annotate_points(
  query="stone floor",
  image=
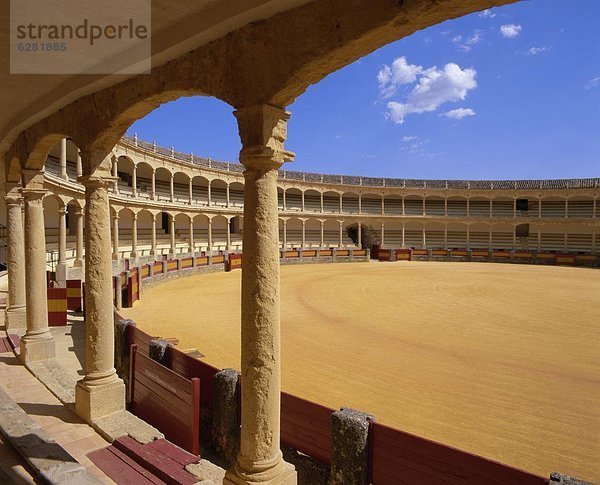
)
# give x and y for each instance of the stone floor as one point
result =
(57, 421)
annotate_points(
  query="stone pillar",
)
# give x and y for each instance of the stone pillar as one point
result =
(16, 314)
(171, 189)
(208, 194)
(302, 195)
(61, 266)
(359, 242)
(341, 241)
(78, 166)
(423, 240)
(100, 392)
(350, 447)
(228, 232)
(209, 248)
(303, 233)
(469, 207)
(38, 343)
(191, 245)
(79, 234)
(445, 236)
(227, 195)
(153, 186)
(284, 205)
(134, 181)
(403, 213)
(514, 207)
(115, 173)
(540, 208)
(491, 208)
(153, 236)
(322, 243)
(382, 205)
(134, 219)
(284, 234)
(172, 231)
(321, 202)
(446, 207)
(539, 239)
(468, 236)
(566, 208)
(115, 237)
(490, 238)
(263, 132)
(63, 159)
(424, 210)
(382, 234)
(403, 243)
(341, 204)
(191, 193)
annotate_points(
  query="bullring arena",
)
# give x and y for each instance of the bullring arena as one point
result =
(170, 318)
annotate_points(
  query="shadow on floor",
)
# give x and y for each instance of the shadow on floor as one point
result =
(57, 410)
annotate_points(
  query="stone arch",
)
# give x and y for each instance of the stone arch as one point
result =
(331, 202)
(236, 194)
(218, 192)
(181, 186)
(200, 190)
(162, 183)
(350, 203)
(312, 200)
(371, 203)
(144, 179)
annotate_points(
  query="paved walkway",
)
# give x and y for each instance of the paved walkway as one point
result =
(60, 424)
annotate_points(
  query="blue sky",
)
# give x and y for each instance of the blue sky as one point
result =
(510, 93)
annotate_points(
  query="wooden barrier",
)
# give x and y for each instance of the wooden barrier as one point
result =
(202, 261)
(189, 367)
(50, 278)
(74, 295)
(165, 400)
(439, 252)
(419, 255)
(57, 306)
(292, 253)
(384, 254)
(309, 253)
(306, 427)
(342, 252)
(235, 262)
(187, 263)
(139, 338)
(402, 254)
(145, 273)
(157, 267)
(218, 259)
(565, 259)
(326, 252)
(545, 258)
(586, 259)
(172, 265)
(133, 289)
(402, 458)
(360, 252)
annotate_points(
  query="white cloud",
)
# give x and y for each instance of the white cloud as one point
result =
(459, 113)
(396, 74)
(534, 51)
(466, 44)
(593, 83)
(434, 87)
(409, 138)
(510, 30)
(487, 14)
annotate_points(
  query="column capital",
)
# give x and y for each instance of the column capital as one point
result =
(31, 194)
(13, 197)
(134, 216)
(263, 131)
(62, 210)
(78, 211)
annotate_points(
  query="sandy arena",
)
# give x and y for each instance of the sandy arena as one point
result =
(500, 360)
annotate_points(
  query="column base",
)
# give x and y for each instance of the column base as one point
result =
(287, 476)
(15, 319)
(93, 402)
(34, 349)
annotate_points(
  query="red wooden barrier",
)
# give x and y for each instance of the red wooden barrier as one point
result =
(133, 289)
(420, 252)
(74, 295)
(190, 367)
(586, 259)
(309, 253)
(383, 254)
(186, 263)
(202, 261)
(565, 259)
(157, 267)
(166, 400)
(171, 265)
(145, 271)
(139, 338)
(218, 259)
(499, 253)
(402, 254)
(339, 252)
(57, 306)
(360, 252)
(292, 253)
(441, 252)
(306, 427)
(325, 252)
(549, 258)
(402, 458)
(235, 262)
(50, 278)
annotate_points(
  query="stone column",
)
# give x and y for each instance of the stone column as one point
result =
(302, 196)
(490, 238)
(566, 208)
(134, 181)
(321, 202)
(61, 266)
(134, 219)
(115, 173)
(15, 315)
(403, 212)
(341, 241)
(153, 186)
(382, 234)
(191, 244)
(263, 132)
(209, 248)
(171, 189)
(284, 234)
(228, 232)
(540, 209)
(423, 240)
(446, 207)
(78, 167)
(322, 243)
(382, 205)
(191, 195)
(403, 243)
(424, 210)
(79, 234)
(227, 195)
(468, 236)
(63, 159)
(153, 236)
(100, 392)
(115, 237)
(359, 204)
(469, 207)
(514, 207)
(359, 242)
(38, 343)
(341, 204)
(172, 231)
(208, 194)
(303, 233)
(284, 205)
(445, 236)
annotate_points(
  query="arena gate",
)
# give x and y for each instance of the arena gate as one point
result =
(166, 400)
